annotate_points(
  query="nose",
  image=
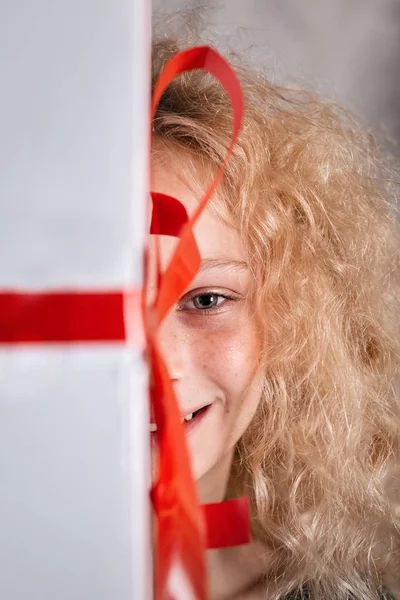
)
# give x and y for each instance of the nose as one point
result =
(173, 348)
(173, 352)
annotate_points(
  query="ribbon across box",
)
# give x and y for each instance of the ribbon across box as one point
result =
(73, 385)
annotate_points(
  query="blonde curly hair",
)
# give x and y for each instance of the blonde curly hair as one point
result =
(315, 208)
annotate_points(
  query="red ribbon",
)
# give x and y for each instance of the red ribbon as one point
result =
(65, 317)
(168, 216)
(181, 538)
(227, 523)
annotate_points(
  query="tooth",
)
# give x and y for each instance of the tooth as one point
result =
(189, 417)
(153, 427)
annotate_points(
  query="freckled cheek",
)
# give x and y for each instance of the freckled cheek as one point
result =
(227, 357)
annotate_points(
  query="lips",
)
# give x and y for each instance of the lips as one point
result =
(188, 419)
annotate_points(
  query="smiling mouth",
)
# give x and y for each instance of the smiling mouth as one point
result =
(188, 420)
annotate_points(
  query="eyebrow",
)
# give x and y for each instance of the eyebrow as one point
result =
(214, 263)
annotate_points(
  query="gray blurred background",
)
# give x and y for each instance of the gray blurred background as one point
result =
(346, 49)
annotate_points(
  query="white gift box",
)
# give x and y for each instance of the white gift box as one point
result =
(73, 186)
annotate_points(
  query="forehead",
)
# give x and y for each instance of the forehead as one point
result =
(186, 179)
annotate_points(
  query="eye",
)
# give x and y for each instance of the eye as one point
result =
(206, 301)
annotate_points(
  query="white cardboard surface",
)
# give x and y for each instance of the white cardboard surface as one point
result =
(73, 421)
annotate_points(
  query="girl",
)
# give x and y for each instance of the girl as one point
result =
(283, 352)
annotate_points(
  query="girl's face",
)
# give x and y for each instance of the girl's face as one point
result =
(211, 340)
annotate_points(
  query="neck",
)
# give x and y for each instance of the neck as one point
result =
(212, 486)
